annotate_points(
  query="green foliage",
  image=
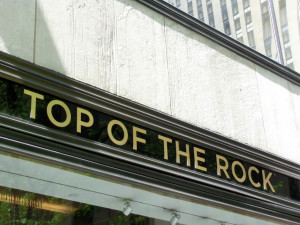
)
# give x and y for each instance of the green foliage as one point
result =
(19, 207)
(130, 220)
(12, 100)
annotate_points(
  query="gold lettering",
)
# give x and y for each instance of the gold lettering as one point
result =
(257, 185)
(112, 138)
(267, 181)
(166, 141)
(51, 118)
(137, 139)
(81, 123)
(198, 159)
(243, 178)
(181, 153)
(34, 96)
(224, 168)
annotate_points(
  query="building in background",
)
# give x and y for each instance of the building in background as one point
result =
(250, 22)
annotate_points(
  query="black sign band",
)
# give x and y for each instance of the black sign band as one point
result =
(54, 112)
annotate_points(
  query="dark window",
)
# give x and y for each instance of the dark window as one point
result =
(284, 29)
(200, 10)
(240, 39)
(268, 41)
(264, 8)
(224, 12)
(282, 4)
(285, 36)
(209, 8)
(268, 46)
(227, 27)
(211, 19)
(235, 8)
(291, 66)
(269, 52)
(190, 7)
(223, 2)
(288, 53)
(226, 24)
(246, 3)
(283, 15)
(237, 24)
(248, 17)
(251, 39)
(200, 14)
(267, 30)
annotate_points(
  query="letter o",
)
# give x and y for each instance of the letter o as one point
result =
(112, 138)
(257, 185)
(51, 118)
(243, 178)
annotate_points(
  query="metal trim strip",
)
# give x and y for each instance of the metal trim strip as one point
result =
(165, 183)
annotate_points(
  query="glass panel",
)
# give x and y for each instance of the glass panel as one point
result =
(235, 8)
(246, 3)
(190, 7)
(258, 32)
(21, 207)
(240, 39)
(248, 17)
(171, 2)
(210, 12)
(227, 27)
(251, 39)
(224, 10)
(237, 24)
(285, 34)
(32, 192)
(200, 10)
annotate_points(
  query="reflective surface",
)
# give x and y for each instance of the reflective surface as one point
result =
(20, 207)
(32, 192)
(271, 27)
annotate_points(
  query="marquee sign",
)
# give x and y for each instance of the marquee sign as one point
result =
(56, 113)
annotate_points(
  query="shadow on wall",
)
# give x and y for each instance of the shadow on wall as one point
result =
(44, 44)
(24, 29)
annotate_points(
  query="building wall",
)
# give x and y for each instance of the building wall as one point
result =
(257, 25)
(129, 50)
(17, 32)
(293, 16)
